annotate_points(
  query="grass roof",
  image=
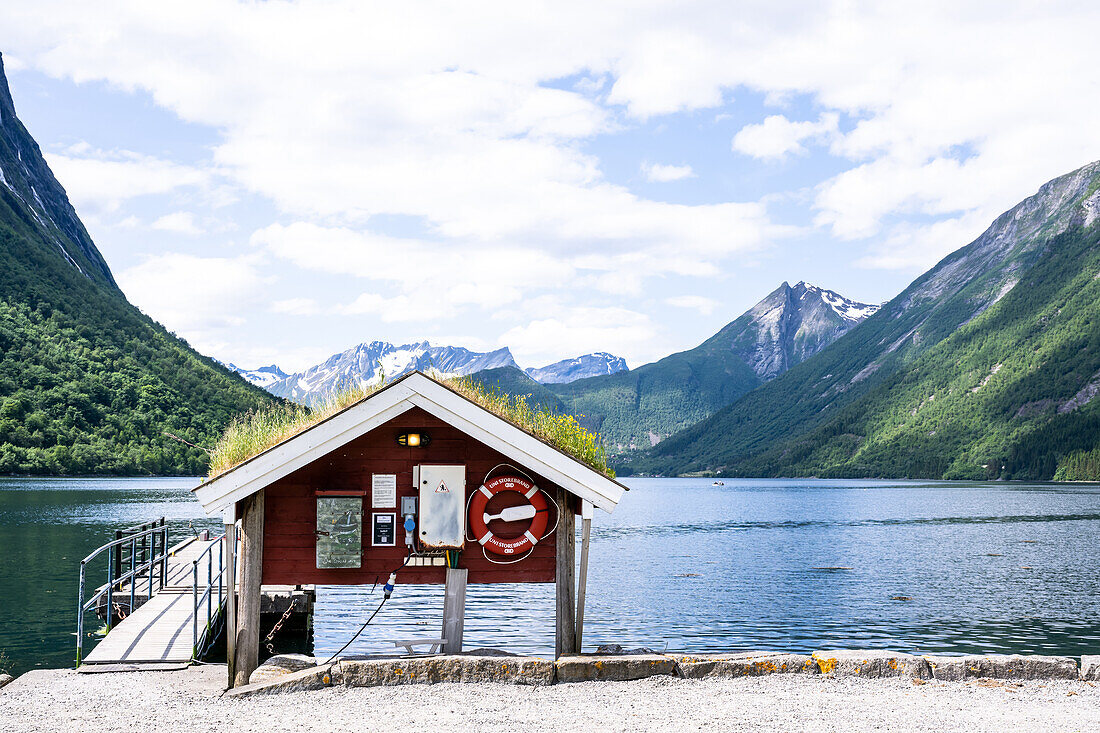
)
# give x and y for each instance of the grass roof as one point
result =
(254, 432)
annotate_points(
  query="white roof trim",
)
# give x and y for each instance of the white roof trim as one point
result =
(420, 391)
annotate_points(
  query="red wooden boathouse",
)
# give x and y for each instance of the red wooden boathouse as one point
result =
(389, 483)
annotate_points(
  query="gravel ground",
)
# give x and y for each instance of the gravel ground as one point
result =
(62, 700)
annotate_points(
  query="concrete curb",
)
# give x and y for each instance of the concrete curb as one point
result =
(447, 668)
(517, 670)
(872, 663)
(1003, 667)
(618, 668)
(744, 664)
(314, 678)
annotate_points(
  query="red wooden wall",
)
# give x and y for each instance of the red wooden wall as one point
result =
(290, 509)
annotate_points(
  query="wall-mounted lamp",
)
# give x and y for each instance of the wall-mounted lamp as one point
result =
(414, 440)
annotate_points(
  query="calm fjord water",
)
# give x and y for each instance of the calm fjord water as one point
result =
(754, 564)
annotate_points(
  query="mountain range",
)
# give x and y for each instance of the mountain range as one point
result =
(631, 409)
(369, 363)
(986, 366)
(88, 383)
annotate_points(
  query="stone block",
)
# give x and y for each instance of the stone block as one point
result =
(446, 668)
(1003, 667)
(279, 666)
(744, 664)
(313, 678)
(586, 667)
(871, 663)
(1090, 667)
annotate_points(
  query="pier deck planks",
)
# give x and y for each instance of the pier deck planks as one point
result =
(161, 630)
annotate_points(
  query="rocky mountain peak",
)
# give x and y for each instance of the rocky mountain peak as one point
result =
(790, 325)
(29, 188)
(581, 367)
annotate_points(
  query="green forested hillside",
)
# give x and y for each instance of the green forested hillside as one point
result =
(512, 381)
(984, 368)
(88, 384)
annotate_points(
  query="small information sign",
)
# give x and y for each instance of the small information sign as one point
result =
(384, 529)
(383, 490)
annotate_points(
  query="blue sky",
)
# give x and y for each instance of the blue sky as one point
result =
(280, 181)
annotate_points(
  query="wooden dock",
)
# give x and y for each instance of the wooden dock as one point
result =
(164, 629)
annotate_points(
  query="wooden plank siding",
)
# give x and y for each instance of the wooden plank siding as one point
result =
(290, 508)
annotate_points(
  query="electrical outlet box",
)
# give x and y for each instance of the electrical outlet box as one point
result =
(408, 505)
(442, 491)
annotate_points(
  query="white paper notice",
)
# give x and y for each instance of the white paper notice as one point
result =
(383, 490)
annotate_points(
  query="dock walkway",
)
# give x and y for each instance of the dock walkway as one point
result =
(164, 628)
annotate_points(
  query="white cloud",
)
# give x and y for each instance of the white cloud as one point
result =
(705, 306)
(777, 137)
(582, 330)
(453, 118)
(181, 222)
(398, 308)
(659, 173)
(467, 275)
(296, 307)
(103, 180)
(197, 297)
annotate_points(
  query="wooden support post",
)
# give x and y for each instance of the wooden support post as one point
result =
(586, 533)
(231, 593)
(248, 608)
(454, 610)
(565, 636)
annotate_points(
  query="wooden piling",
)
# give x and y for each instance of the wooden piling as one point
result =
(247, 645)
(565, 629)
(231, 598)
(454, 610)
(586, 534)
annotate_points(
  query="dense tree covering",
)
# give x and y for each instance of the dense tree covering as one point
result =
(89, 384)
(1006, 395)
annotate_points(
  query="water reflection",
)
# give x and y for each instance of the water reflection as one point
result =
(799, 565)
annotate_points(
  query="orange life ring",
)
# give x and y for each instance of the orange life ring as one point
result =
(479, 519)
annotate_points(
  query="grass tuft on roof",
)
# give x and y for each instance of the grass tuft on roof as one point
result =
(254, 432)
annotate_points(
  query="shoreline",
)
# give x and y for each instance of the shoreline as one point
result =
(52, 700)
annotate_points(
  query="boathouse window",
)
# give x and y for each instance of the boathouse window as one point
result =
(339, 531)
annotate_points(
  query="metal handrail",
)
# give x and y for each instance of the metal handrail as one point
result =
(82, 605)
(212, 616)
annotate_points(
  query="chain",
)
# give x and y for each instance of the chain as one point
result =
(278, 625)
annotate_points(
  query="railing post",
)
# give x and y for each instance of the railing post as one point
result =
(110, 586)
(209, 586)
(133, 574)
(149, 567)
(80, 618)
(118, 558)
(163, 555)
(195, 609)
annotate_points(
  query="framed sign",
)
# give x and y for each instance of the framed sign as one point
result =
(339, 531)
(383, 490)
(384, 529)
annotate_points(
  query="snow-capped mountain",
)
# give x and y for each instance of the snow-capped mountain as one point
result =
(849, 310)
(570, 370)
(367, 364)
(261, 377)
(791, 325)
